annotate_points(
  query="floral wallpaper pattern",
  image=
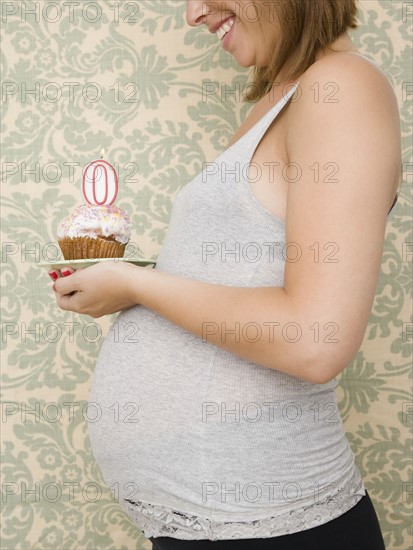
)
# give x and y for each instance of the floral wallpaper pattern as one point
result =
(161, 98)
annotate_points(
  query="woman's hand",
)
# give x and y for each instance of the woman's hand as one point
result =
(98, 290)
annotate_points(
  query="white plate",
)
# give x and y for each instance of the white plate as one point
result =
(80, 264)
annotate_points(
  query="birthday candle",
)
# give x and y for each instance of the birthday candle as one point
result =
(100, 183)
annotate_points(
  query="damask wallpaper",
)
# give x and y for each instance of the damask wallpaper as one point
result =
(161, 98)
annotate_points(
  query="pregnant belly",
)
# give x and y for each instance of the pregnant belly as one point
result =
(167, 425)
(150, 379)
(146, 360)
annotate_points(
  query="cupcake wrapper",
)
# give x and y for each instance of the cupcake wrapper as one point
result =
(85, 248)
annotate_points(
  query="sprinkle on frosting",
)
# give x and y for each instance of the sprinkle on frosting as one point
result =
(93, 221)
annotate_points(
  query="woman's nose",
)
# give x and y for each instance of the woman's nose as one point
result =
(195, 12)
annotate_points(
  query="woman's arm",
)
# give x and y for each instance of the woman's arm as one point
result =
(313, 326)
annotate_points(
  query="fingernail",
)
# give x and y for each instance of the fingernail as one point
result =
(53, 275)
(66, 272)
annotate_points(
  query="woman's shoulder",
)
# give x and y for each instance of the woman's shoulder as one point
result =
(348, 78)
(344, 103)
(346, 87)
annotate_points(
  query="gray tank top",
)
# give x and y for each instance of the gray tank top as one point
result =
(199, 443)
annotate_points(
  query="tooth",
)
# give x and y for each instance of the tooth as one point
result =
(224, 28)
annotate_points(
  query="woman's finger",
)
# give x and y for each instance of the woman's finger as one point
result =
(67, 301)
(66, 284)
(54, 274)
(66, 271)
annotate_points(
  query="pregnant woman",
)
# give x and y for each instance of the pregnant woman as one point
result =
(225, 356)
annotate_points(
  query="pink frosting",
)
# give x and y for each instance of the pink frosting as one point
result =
(92, 221)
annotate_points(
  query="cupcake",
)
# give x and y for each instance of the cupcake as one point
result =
(93, 231)
(97, 229)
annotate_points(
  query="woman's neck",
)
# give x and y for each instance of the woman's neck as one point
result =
(342, 44)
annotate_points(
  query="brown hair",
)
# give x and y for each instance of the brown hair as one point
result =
(305, 26)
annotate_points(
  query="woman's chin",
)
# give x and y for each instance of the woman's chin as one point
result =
(248, 60)
(243, 62)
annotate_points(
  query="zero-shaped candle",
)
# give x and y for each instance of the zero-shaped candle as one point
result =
(100, 183)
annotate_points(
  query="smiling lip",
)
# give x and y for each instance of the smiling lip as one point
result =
(214, 28)
(225, 29)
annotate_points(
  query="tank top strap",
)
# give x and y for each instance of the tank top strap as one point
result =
(260, 128)
(252, 137)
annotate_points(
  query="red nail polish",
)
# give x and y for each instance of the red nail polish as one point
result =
(53, 275)
(66, 272)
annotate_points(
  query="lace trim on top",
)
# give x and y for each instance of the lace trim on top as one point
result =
(157, 521)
